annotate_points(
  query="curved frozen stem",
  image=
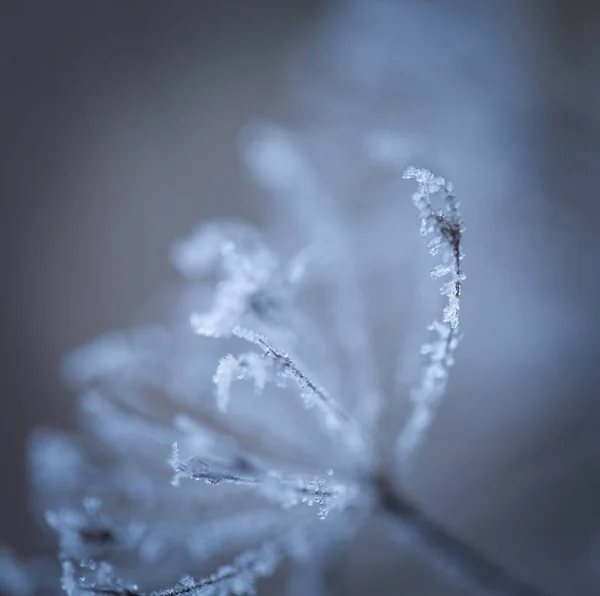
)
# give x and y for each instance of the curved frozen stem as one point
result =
(444, 227)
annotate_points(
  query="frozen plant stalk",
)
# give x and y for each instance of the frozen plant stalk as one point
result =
(444, 228)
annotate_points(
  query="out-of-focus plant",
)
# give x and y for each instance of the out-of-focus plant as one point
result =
(250, 422)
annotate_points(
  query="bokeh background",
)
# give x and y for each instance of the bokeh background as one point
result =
(119, 127)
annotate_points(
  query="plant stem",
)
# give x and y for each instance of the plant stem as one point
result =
(452, 554)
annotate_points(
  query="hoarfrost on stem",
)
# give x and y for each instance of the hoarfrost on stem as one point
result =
(444, 228)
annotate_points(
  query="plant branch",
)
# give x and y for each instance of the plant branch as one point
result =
(451, 553)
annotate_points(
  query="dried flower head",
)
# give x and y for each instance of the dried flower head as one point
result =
(247, 426)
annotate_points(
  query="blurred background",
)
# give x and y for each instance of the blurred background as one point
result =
(119, 127)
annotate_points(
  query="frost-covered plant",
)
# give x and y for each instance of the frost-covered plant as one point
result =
(248, 426)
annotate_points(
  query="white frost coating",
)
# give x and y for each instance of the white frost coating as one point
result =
(287, 491)
(253, 286)
(250, 366)
(244, 275)
(69, 579)
(82, 536)
(445, 228)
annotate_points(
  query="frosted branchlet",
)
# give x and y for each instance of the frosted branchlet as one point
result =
(444, 229)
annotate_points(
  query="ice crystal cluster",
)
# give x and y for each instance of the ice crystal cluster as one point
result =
(244, 432)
